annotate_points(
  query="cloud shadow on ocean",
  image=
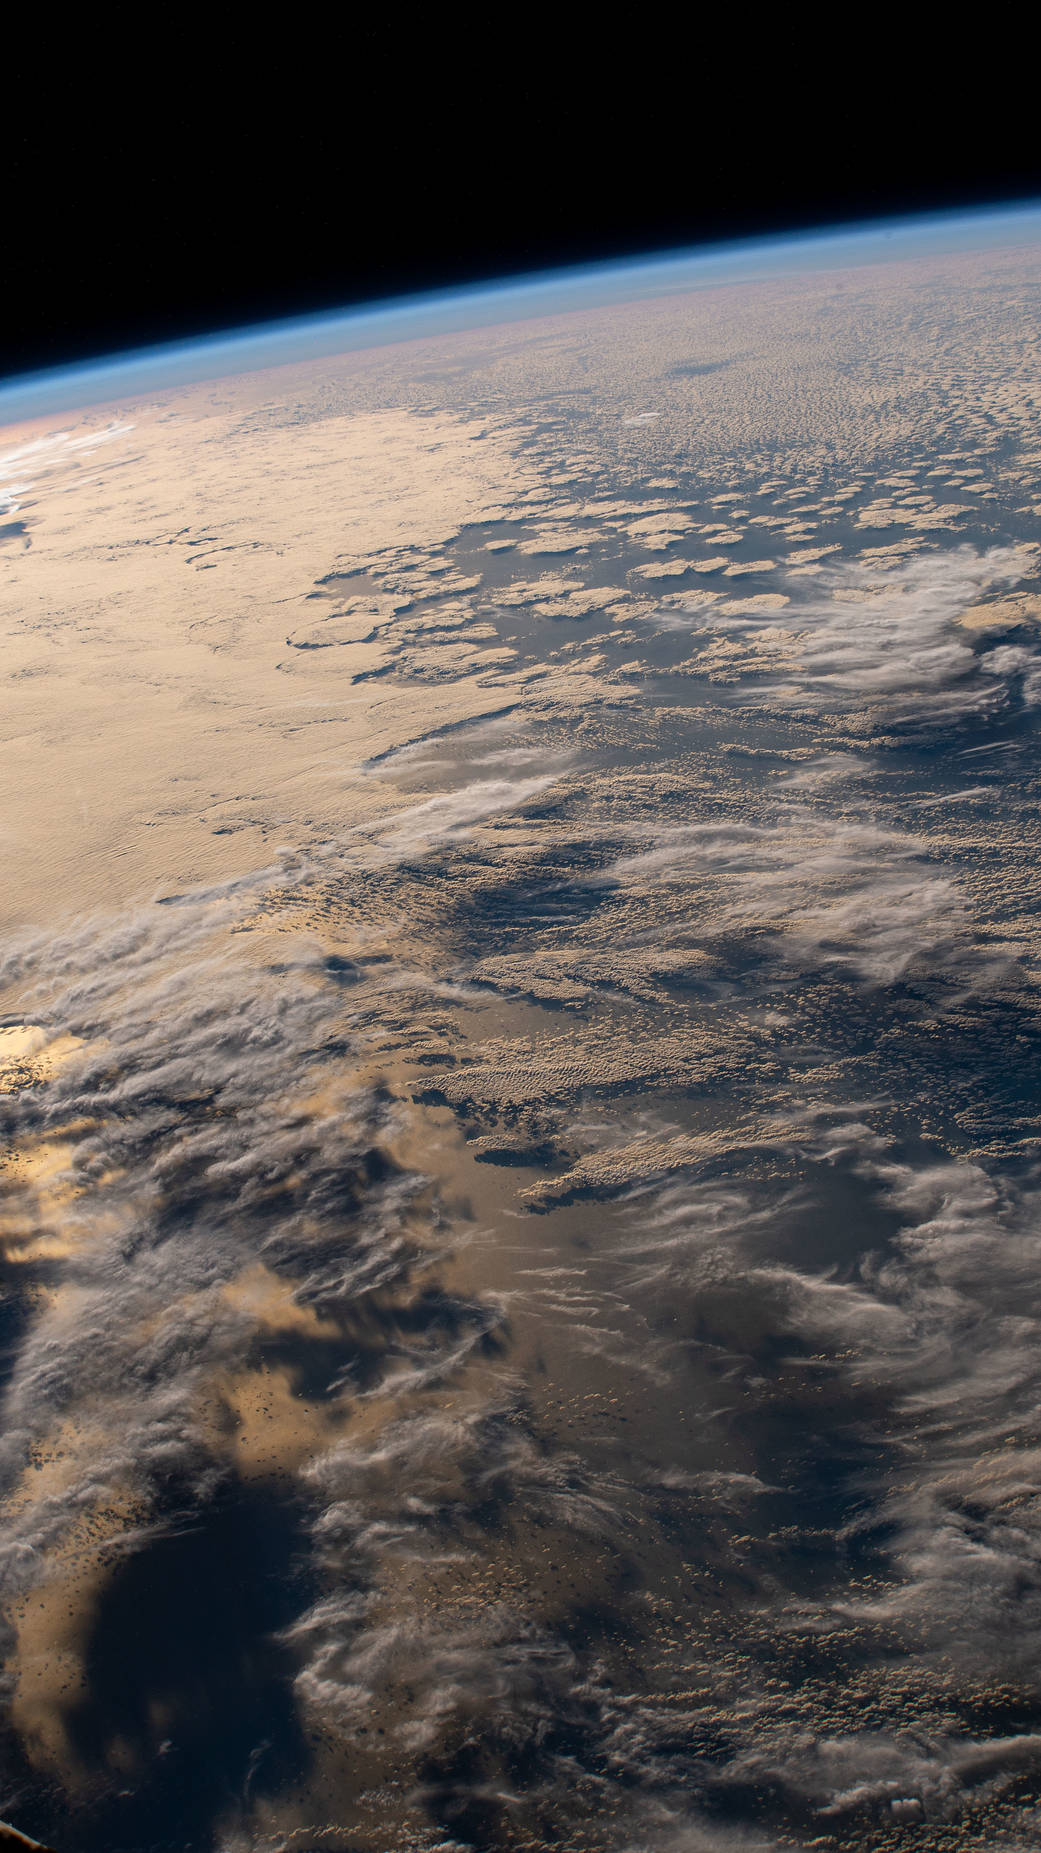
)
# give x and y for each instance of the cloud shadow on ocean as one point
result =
(528, 1297)
(190, 1693)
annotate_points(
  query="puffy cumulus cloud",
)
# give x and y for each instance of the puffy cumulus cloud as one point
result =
(685, 613)
(820, 891)
(1011, 662)
(510, 1618)
(883, 639)
(910, 1365)
(427, 1517)
(209, 1243)
(962, 1282)
(453, 1548)
(199, 1132)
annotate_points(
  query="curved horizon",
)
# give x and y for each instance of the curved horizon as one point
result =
(257, 346)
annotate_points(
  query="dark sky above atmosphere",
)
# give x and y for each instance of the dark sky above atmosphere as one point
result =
(205, 191)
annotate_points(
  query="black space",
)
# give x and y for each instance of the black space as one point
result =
(197, 185)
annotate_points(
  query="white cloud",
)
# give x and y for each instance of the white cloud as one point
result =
(885, 639)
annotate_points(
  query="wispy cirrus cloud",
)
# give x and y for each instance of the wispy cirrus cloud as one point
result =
(884, 641)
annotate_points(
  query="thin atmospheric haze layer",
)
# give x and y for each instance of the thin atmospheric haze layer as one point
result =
(521, 1224)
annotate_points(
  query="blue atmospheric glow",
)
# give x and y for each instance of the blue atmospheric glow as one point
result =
(143, 371)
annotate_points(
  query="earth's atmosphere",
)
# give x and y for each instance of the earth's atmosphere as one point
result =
(522, 1189)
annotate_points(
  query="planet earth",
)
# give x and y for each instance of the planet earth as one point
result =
(521, 947)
